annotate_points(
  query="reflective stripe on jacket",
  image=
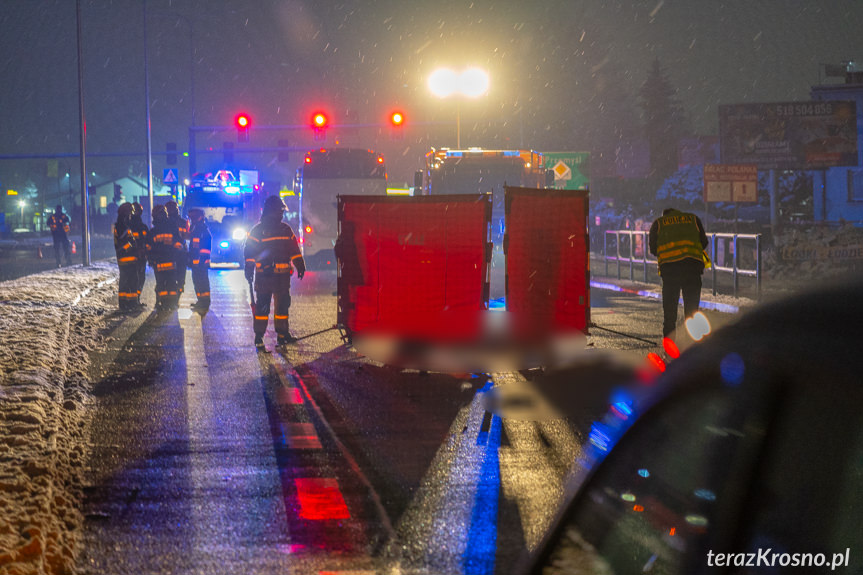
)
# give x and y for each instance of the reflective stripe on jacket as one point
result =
(272, 250)
(124, 245)
(200, 245)
(678, 238)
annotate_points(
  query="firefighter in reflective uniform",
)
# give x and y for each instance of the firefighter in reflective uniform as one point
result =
(165, 247)
(200, 244)
(678, 240)
(183, 226)
(58, 223)
(127, 258)
(271, 253)
(141, 233)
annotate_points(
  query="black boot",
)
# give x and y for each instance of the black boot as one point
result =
(285, 339)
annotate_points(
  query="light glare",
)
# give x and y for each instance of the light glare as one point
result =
(698, 326)
(471, 83)
(442, 82)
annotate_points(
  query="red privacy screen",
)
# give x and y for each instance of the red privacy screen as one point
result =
(547, 260)
(404, 262)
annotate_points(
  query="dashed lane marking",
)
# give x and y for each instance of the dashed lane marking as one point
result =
(300, 435)
(321, 499)
(289, 396)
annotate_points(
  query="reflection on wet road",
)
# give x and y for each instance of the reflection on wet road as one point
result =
(209, 456)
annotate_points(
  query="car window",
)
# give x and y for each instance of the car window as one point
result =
(814, 447)
(676, 474)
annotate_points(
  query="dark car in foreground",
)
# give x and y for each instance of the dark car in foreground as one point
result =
(745, 456)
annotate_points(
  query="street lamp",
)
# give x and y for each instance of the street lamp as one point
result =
(469, 83)
(21, 204)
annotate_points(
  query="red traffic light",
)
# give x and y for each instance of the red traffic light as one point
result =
(319, 120)
(242, 122)
(397, 118)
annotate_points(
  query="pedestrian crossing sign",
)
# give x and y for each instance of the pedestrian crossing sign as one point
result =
(169, 176)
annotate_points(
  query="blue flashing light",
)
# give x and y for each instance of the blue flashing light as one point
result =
(224, 244)
(511, 153)
(705, 494)
(599, 437)
(731, 368)
(623, 408)
(232, 189)
(643, 473)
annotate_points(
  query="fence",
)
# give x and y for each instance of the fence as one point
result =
(630, 247)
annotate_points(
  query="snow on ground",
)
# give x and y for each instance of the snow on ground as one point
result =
(48, 324)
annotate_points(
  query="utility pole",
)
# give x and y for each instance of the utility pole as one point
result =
(85, 197)
(147, 102)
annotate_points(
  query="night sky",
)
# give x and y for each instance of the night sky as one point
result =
(564, 74)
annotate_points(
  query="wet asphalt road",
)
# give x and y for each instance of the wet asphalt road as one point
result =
(38, 256)
(211, 457)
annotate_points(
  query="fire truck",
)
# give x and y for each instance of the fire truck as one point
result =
(230, 205)
(477, 170)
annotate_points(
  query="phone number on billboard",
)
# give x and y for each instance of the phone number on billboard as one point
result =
(807, 109)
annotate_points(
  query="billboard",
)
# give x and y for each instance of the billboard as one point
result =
(789, 135)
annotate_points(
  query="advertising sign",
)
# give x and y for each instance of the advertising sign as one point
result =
(724, 183)
(571, 169)
(789, 135)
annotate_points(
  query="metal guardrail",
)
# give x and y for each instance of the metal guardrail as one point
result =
(635, 248)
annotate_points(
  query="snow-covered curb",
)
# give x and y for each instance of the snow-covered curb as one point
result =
(49, 322)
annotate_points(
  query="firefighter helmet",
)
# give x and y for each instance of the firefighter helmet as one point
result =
(125, 210)
(274, 204)
(172, 208)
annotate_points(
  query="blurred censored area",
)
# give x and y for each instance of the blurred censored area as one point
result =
(414, 279)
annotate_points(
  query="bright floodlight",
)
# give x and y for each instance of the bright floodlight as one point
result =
(443, 82)
(473, 83)
(21, 203)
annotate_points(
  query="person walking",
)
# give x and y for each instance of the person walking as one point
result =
(183, 226)
(272, 252)
(127, 259)
(58, 223)
(678, 240)
(141, 234)
(200, 245)
(164, 249)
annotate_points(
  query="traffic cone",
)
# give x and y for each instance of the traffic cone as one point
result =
(74, 248)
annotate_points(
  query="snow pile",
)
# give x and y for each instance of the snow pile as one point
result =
(804, 256)
(48, 324)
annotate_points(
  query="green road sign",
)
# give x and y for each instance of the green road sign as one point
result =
(571, 169)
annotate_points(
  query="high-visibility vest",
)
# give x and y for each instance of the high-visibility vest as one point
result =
(678, 238)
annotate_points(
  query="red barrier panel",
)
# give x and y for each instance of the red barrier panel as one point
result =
(547, 261)
(413, 266)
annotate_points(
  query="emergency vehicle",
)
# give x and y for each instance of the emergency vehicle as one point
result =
(228, 206)
(477, 170)
(324, 175)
